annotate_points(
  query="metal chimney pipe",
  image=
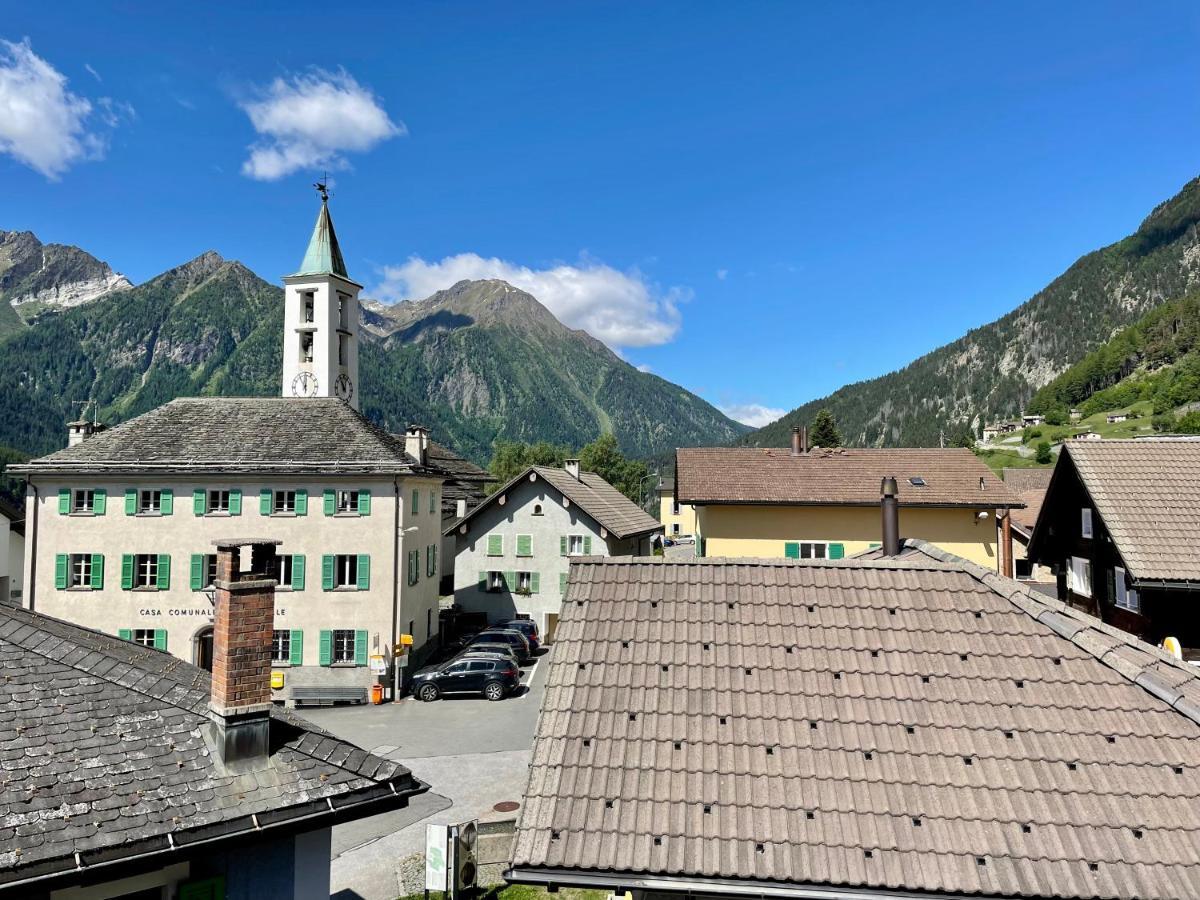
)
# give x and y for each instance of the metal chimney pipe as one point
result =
(804, 439)
(890, 505)
(795, 440)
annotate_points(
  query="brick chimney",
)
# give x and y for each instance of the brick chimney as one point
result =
(243, 623)
(416, 443)
(572, 467)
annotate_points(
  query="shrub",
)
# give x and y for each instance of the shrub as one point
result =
(1043, 455)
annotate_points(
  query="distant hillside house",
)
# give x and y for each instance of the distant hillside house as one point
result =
(12, 552)
(1087, 436)
(1030, 419)
(1030, 485)
(824, 504)
(1113, 418)
(1119, 525)
(678, 519)
(991, 432)
(513, 551)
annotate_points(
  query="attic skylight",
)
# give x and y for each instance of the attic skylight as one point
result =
(917, 481)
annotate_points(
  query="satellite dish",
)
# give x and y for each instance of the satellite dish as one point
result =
(1172, 646)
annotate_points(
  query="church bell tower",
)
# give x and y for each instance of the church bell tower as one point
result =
(320, 320)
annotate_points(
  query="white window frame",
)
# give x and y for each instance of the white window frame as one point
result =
(210, 570)
(306, 346)
(283, 502)
(145, 571)
(347, 502)
(1085, 522)
(342, 649)
(149, 501)
(572, 548)
(812, 549)
(309, 306)
(218, 501)
(495, 581)
(281, 645)
(83, 501)
(80, 573)
(284, 562)
(144, 636)
(1079, 576)
(525, 581)
(1126, 597)
(345, 571)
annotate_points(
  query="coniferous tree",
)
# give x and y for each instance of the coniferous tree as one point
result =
(824, 431)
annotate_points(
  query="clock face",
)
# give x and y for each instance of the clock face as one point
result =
(304, 385)
(344, 387)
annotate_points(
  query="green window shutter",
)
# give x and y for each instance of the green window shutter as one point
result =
(495, 545)
(791, 549)
(432, 502)
(364, 572)
(587, 545)
(364, 503)
(524, 545)
(62, 564)
(483, 585)
(837, 551)
(160, 639)
(296, 650)
(167, 506)
(207, 889)
(199, 502)
(130, 501)
(434, 571)
(97, 571)
(326, 647)
(330, 502)
(535, 582)
(416, 501)
(126, 571)
(562, 583)
(197, 571)
(562, 546)
(164, 571)
(360, 648)
(125, 634)
(298, 572)
(235, 502)
(510, 581)
(327, 563)
(64, 501)
(99, 501)
(265, 499)
(302, 502)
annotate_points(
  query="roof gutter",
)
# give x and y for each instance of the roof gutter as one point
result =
(904, 504)
(1165, 584)
(622, 881)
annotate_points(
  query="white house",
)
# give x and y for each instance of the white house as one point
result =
(514, 550)
(1030, 419)
(12, 552)
(1114, 418)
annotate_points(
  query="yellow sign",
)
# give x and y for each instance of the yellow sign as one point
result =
(406, 640)
(276, 680)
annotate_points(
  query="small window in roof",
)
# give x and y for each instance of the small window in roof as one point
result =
(917, 481)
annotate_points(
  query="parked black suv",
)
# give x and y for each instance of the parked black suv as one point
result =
(494, 678)
(527, 628)
(514, 639)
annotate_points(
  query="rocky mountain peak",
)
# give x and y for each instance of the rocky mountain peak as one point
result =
(36, 278)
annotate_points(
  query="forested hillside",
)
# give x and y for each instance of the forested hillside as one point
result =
(993, 371)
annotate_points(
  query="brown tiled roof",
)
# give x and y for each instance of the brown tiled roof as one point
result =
(843, 476)
(1147, 493)
(596, 497)
(915, 725)
(1028, 479)
(1030, 485)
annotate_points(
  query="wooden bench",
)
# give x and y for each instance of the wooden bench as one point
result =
(327, 696)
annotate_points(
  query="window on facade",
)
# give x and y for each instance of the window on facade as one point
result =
(343, 646)
(284, 502)
(144, 636)
(525, 581)
(343, 310)
(210, 570)
(1024, 568)
(1085, 524)
(495, 581)
(1125, 596)
(309, 307)
(81, 570)
(428, 623)
(575, 545)
(149, 501)
(345, 571)
(537, 509)
(414, 567)
(218, 501)
(284, 563)
(145, 572)
(82, 500)
(1079, 576)
(347, 501)
(343, 340)
(813, 549)
(675, 508)
(432, 501)
(431, 560)
(306, 346)
(281, 645)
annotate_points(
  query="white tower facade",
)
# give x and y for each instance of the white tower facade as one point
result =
(320, 321)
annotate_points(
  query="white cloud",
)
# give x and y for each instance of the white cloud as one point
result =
(308, 121)
(92, 72)
(42, 124)
(753, 414)
(722, 274)
(645, 367)
(619, 308)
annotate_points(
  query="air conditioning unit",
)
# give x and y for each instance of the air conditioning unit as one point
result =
(464, 840)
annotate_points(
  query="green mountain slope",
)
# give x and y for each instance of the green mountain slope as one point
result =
(994, 370)
(474, 363)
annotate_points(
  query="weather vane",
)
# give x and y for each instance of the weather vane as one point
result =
(321, 188)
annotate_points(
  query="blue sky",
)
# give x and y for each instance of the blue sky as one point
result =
(758, 201)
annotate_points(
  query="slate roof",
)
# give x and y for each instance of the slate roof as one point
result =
(1147, 492)
(283, 435)
(1030, 485)
(841, 477)
(918, 725)
(464, 479)
(104, 757)
(610, 508)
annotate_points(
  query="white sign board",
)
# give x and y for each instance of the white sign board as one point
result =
(378, 664)
(437, 839)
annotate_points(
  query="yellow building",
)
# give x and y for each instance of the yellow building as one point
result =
(824, 504)
(678, 519)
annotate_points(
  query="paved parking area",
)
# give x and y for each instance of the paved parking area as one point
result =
(472, 752)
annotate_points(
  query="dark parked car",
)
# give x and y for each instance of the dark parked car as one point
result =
(494, 678)
(514, 639)
(527, 628)
(501, 650)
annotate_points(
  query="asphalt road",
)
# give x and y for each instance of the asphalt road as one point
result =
(473, 753)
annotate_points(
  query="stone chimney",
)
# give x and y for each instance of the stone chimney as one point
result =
(799, 440)
(243, 623)
(78, 432)
(572, 467)
(416, 443)
(890, 504)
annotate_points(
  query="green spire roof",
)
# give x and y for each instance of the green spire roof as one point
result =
(324, 256)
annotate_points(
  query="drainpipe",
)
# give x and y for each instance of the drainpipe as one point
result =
(30, 576)
(1006, 552)
(395, 635)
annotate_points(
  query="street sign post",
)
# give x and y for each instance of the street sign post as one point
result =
(437, 840)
